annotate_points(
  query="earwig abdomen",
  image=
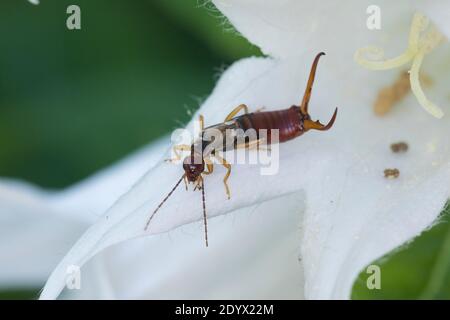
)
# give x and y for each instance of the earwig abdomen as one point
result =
(288, 122)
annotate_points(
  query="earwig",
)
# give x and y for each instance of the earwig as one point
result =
(291, 123)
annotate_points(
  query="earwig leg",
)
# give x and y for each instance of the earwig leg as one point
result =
(227, 175)
(249, 145)
(201, 119)
(235, 112)
(255, 144)
(263, 146)
(209, 166)
(259, 109)
(197, 185)
(176, 148)
(185, 182)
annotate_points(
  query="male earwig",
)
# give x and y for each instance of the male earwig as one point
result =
(290, 123)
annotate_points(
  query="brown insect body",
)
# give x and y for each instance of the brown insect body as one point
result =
(290, 123)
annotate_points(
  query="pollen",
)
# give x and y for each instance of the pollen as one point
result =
(391, 173)
(423, 39)
(392, 94)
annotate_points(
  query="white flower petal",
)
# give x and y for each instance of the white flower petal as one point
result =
(176, 265)
(33, 237)
(341, 172)
(283, 28)
(370, 215)
(348, 199)
(332, 260)
(126, 219)
(94, 195)
(439, 12)
(37, 227)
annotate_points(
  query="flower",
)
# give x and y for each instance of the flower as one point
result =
(330, 200)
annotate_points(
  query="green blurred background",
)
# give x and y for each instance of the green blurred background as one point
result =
(73, 102)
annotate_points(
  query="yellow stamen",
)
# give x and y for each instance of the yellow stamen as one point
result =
(417, 89)
(378, 54)
(418, 25)
(418, 48)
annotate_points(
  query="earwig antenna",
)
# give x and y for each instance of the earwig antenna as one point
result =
(308, 90)
(204, 212)
(162, 202)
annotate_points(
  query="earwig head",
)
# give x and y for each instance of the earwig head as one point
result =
(305, 118)
(193, 166)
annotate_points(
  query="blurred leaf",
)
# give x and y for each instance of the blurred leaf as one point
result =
(19, 294)
(209, 25)
(72, 102)
(421, 270)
